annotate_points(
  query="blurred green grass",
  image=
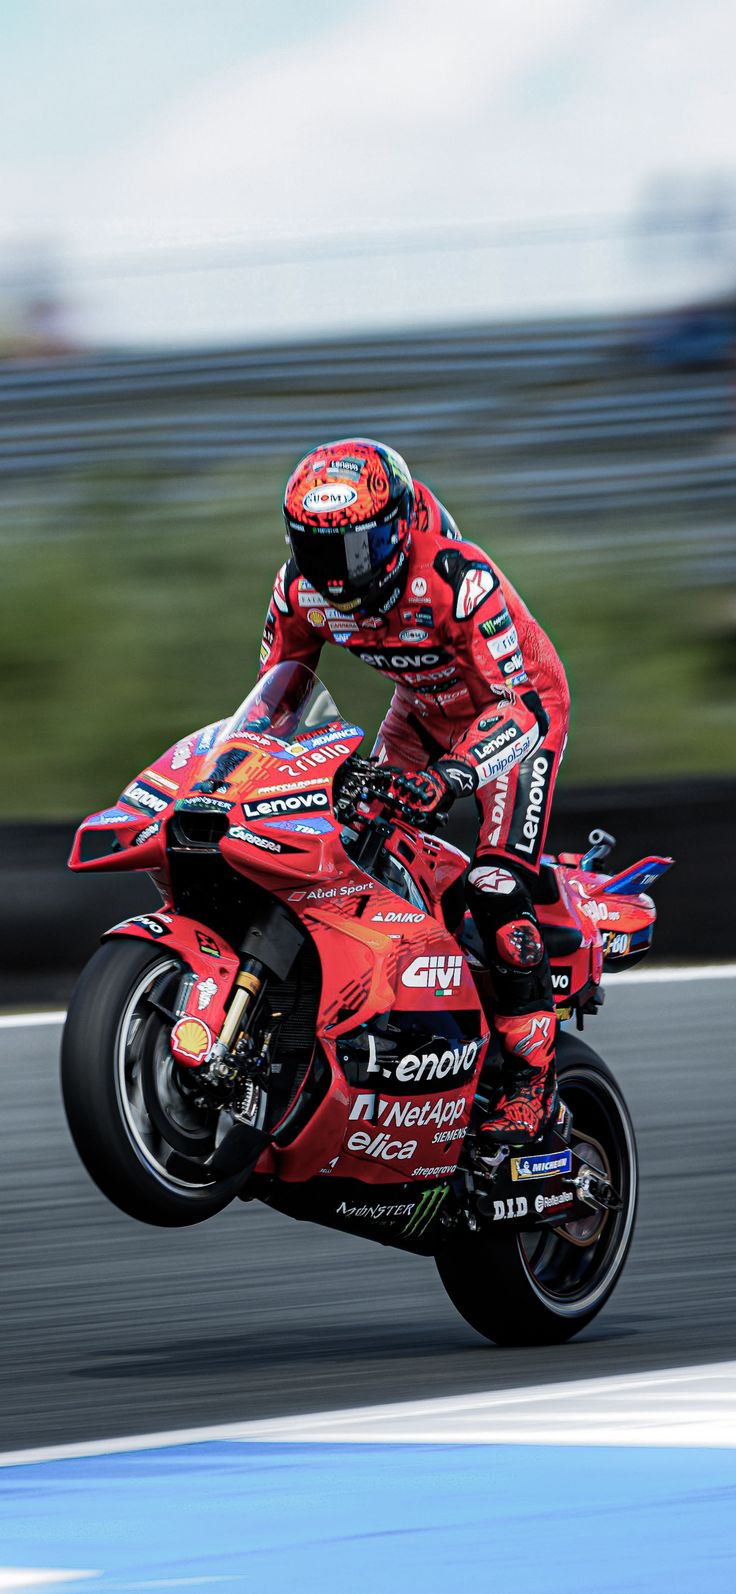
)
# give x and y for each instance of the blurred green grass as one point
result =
(131, 613)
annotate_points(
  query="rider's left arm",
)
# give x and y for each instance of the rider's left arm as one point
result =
(512, 720)
(286, 633)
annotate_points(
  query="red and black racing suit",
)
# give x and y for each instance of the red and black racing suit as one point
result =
(477, 682)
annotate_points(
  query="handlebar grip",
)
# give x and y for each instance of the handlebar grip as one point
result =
(360, 779)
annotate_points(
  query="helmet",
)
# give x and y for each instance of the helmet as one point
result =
(348, 507)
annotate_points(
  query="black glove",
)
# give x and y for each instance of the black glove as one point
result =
(419, 793)
(460, 780)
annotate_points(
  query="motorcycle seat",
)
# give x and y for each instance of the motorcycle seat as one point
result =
(561, 940)
(543, 886)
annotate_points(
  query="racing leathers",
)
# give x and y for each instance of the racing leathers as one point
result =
(479, 694)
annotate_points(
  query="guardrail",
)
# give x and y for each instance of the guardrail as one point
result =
(553, 419)
(50, 920)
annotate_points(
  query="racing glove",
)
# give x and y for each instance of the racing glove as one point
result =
(419, 793)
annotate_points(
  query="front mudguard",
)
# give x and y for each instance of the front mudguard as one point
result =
(211, 959)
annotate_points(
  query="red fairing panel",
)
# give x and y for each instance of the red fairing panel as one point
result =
(389, 1137)
(211, 959)
(379, 955)
(312, 1152)
(135, 824)
(434, 864)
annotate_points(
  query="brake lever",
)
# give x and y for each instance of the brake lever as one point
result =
(360, 779)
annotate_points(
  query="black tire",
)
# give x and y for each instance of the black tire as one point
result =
(542, 1287)
(103, 1018)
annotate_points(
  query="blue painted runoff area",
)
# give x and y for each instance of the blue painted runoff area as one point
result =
(371, 1518)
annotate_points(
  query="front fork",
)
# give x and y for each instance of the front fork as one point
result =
(248, 986)
(233, 1074)
(234, 1069)
(247, 989)
(233, 1079)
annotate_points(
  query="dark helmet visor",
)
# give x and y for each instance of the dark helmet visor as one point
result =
(345, 561)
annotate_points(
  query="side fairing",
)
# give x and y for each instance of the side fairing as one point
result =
(401, 1026)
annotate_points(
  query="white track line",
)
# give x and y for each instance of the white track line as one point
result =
(685, 1406)
(14, 1577)
(30, 1020)
(673, 976)
(679, 1407)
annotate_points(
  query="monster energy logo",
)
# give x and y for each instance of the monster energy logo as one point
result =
(427, 1209)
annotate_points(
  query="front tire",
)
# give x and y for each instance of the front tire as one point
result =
(545, 1285)
(128, 1104)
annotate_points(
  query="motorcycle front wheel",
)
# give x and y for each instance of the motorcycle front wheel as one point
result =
(544, 1285)
(130, 1107)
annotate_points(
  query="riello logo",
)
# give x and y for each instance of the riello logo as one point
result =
(442, 972)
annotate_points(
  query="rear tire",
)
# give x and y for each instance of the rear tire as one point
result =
(543, 1286)
(128, 1105)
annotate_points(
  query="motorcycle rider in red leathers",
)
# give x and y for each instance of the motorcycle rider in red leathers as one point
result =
(480, 705)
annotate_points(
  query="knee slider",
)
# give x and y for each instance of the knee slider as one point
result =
(519, 944)
(501, 905)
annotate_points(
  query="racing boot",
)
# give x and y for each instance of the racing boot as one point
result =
(524, 1006)
(529, 1096)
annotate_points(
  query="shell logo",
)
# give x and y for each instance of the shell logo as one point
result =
(191, 1040)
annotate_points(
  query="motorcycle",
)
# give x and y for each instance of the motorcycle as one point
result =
(303, 1021)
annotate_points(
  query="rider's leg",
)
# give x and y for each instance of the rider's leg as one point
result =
(524, 1009)
(514, 813)
(402, 740)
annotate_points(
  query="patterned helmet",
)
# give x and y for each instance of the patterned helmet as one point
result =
(348, 508)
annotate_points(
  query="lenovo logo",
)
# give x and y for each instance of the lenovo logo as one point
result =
(296, 802)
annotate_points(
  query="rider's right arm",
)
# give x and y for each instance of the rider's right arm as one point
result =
(287, 633)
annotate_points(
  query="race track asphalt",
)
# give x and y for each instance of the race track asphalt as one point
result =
(110, 1328)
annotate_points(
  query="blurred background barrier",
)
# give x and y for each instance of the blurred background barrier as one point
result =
(539, 416)
(594, 457)
(51, 920)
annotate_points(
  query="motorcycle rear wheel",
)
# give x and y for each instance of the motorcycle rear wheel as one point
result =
(545, 1285)
(128, 1104)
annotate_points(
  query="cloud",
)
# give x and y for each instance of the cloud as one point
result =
(396, 115)
(419, 110)
(388, 116)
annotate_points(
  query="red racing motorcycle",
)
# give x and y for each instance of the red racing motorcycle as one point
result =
(303, 1021)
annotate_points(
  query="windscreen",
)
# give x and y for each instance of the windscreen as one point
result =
(289, 701)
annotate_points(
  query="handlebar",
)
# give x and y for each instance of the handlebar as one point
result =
(360, 780)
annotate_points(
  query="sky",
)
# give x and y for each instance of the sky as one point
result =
(240, 169)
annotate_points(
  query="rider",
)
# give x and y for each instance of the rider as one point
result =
(480, 705)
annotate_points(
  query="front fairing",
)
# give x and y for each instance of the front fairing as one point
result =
(278, 804)
(131, 834)
(287, 725)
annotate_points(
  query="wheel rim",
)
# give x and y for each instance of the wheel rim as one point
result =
(571, 1267)
(157, 1103)
(584, 1231)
